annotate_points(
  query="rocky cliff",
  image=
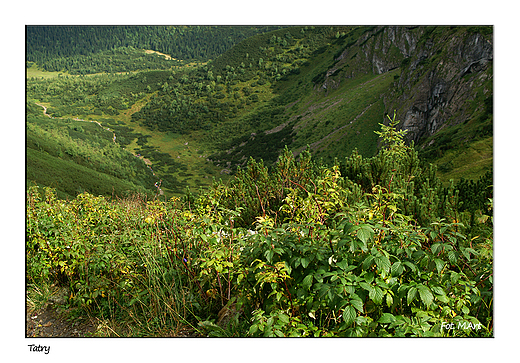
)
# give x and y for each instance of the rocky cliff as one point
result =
(446, 73)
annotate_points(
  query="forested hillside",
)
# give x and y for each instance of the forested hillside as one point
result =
(325, 181)
(74, 48)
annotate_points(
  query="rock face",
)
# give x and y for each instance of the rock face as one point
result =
(448, 84)
(444, 72)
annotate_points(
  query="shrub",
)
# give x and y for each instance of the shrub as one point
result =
(374, 247)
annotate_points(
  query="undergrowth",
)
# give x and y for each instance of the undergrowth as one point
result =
(371, 247)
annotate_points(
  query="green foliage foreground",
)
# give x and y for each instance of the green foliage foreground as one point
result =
(371, 247)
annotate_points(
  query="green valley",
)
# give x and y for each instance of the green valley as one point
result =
(322, 87)
(262, 180)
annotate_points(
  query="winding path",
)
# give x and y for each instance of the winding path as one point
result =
(77, 119)
(157, 184)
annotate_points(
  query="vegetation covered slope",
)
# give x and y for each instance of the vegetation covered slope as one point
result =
(76, 156)
(75, 49)
(331, 224)
(325, 87)
(109, 101)
(329, 87)
(380, 249)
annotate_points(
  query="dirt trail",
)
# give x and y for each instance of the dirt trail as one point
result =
(77, 119)
(49, 322)
(53, 320)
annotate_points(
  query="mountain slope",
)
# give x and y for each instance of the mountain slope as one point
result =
(438, 79)
(74, 48)
(75, 156)
(326, 88)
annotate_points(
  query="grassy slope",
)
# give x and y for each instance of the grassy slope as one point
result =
(76, 156)
(70, 178)
(332, 122)
(470, 162)
(187, 150)
(36, 72)
(336, 123)
(192, 168)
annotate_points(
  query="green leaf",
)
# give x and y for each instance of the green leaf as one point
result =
(438, 290)
(269, 255)
(443, 298)
(376, 295)
(279, 333)
(466, 252)
(270, 321)
(368, 262)
(366, 286)
(439, 264)
(350, 289)
(307, 282)
(278, 251)
(349, 314)
(343, 264)
(358, 304)
(365, 232)
(253, 329)
(283, 318)
(347, 228)
(454, 277)
(369, 277)
(412, 291)
(389, 300)
(397, 268)
(386, 318)
(410, 265)
(324, 290)
(383, 263)
(343, 242)
(435, 248)
(425, 294)
(452, 256)
(305, 262)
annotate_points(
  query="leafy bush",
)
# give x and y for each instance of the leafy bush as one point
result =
(298, 250)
